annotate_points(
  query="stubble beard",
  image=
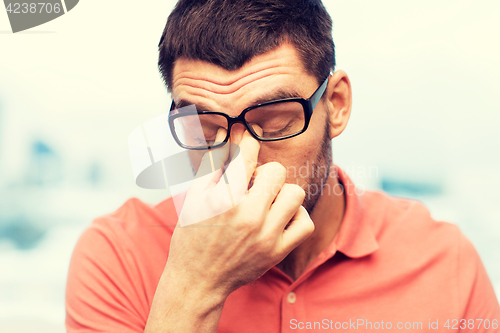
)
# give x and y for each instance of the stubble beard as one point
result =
(320, 172)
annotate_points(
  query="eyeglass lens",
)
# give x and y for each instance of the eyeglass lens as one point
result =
(277, 120)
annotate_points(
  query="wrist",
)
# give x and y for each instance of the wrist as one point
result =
(196, 292)
(183, 305)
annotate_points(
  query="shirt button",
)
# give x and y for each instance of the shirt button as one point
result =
(291, 298)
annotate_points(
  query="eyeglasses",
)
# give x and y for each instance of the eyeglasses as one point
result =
(280, 119)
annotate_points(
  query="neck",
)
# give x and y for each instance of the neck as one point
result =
(327, 216)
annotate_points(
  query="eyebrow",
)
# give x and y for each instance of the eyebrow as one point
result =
(281, 93)
(183, 103)
(277, 95)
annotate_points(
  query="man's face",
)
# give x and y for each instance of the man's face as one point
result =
(266, 77)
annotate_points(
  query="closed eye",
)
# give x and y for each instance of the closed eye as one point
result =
(280, 131)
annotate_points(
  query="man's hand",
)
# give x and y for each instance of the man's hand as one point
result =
(210, 259)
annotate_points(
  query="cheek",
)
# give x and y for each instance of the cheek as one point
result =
(317, 125)
(294, 154)
(286, 152)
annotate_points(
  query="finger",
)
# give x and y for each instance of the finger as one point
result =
(211, 166)
(269, 178)
(285, 206)
(249, 147)
(300, 228)
(218, 156)
(244, 152)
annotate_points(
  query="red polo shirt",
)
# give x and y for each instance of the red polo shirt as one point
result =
(391, 266)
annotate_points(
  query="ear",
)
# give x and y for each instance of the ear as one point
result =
(339, 101)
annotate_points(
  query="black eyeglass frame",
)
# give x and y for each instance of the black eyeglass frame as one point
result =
(308, 105)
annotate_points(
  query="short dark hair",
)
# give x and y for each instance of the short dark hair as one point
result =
(229, 33)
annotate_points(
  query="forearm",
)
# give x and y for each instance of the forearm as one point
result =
(181, 305)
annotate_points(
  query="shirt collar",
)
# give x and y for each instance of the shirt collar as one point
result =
(356, 237)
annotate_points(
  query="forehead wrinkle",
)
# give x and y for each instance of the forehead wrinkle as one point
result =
(228, 84)
(221, 90)
(197, 97)
(223, 77)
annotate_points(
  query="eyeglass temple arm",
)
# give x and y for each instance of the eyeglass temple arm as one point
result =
(318, 94)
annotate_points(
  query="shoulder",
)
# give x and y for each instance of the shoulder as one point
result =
(134, 213)
(416, 247)
(423, 259)
(135, 228)
(409, 220)
(133, 221)
(116, 265)
(411, 240)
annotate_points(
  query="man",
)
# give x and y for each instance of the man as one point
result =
(299, 251)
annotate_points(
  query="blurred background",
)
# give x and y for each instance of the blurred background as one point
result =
(424, 125)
